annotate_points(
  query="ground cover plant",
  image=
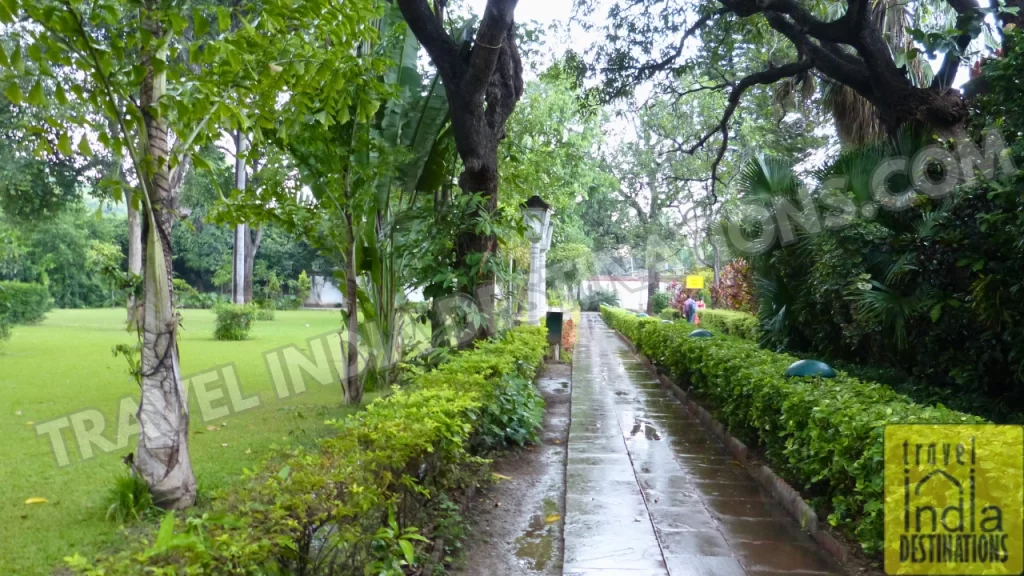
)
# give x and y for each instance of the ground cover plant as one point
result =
(822, 435)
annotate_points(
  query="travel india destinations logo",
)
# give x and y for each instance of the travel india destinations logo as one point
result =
(954, 499)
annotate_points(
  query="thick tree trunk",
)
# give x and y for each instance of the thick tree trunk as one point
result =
(134, 262)
(162, 456)
(478, 148)
(250, 259)
(902, 105)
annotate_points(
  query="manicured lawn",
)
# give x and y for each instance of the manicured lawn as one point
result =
(65, 364)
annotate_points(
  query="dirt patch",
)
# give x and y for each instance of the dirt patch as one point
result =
(515, 525)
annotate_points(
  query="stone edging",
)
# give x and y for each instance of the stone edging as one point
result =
(779, 489)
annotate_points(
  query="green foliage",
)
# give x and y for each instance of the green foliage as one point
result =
(731, 322)
(823, 436)
(233, 321)
(265, 309)
(670, 314)
(933, 289)
(371, 496)
(129, 498)
(592, 301)
(24, 303)
(659, 301)
(76, 254)
(735, 288)
(302, 287)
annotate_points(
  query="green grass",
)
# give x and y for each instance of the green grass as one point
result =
(65, 364)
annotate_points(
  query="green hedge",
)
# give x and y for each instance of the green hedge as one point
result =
(24, 303)
(368, 499)
(823, 436)
(731, 322)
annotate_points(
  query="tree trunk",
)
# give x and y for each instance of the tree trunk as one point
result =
(653, 285)
(351, 384)
(250, 259)
(438, 334)
(716, 268)
(473, 250)
(239, 259)
(134, 262)
(162, 456)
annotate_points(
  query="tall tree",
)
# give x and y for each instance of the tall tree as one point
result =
(483, 79)
(129, 77)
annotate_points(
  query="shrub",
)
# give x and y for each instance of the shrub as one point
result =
(731, 322)
(23, 302)
(671, 314)
(823, 436)
(735, 288)
(659, 301)
(303, 286)
(367, 500)
(265, 309)
(5, 328)
(233, 321)
(592, 301)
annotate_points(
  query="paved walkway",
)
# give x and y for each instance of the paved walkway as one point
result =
(650, 493)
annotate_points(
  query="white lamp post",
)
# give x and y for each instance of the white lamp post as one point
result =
(537, 214)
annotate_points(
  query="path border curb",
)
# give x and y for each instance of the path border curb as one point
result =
(778, 488)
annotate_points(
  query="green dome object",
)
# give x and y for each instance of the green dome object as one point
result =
(810, 368)
(641, 315)
(701, 333)
(666, 321)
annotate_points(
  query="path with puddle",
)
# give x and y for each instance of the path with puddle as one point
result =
(649, 492)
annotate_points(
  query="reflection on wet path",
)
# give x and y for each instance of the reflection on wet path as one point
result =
(649, 492)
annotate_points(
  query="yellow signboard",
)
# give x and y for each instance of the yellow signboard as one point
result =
(694, 282)
(954, 502)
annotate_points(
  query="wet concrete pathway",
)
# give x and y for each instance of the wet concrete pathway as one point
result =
(649, 492)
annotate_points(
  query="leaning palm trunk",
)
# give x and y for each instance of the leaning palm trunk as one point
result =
(162, 456)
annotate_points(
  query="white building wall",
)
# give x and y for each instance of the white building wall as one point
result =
(324, 292)
(632, 291)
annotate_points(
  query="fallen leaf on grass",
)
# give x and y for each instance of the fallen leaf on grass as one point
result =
(211, 428)
(36, 500)
(497, 476)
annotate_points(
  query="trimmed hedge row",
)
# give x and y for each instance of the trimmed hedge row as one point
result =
(731, 322)
(24, 303)
(366, 500)
(823, 436)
